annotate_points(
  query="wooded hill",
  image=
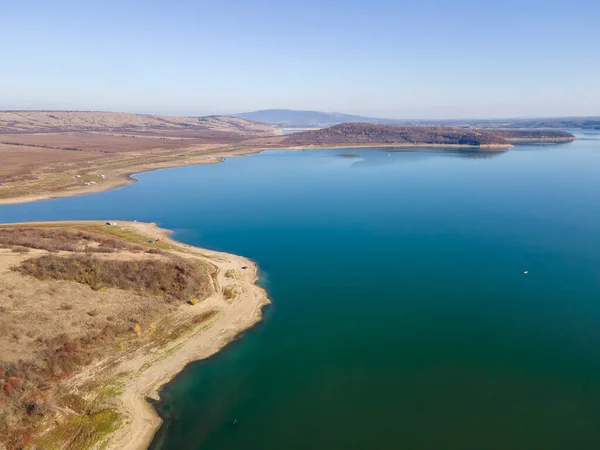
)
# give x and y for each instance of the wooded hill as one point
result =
(371, 134)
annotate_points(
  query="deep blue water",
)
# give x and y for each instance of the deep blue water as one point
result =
(401, 316)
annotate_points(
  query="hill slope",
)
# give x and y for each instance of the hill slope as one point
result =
(293, 118)
(64, 121)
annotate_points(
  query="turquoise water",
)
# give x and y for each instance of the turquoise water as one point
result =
(401, 317)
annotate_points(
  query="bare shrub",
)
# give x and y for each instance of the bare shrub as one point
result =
(20, 250)
(175, 279)
(229, 292)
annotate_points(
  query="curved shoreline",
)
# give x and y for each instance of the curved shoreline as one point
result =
(125, 176)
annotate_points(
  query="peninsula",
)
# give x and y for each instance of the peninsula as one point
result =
(96, 317)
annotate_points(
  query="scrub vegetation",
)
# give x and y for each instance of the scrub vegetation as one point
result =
(174, 279)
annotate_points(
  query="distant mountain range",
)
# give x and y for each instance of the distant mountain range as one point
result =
(265, 122)
(316, 119)
(309, 119)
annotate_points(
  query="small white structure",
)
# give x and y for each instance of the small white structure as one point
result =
(111, 224)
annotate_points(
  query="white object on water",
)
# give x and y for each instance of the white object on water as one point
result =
(526, 272)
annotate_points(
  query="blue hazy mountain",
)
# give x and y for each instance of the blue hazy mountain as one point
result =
(293, 118)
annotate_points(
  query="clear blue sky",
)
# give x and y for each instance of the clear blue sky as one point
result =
(418, 59)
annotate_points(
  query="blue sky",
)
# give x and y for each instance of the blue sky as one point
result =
(418, 59)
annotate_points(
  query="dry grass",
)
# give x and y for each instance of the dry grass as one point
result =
(115, 143)
(23, 160)
(55, 121)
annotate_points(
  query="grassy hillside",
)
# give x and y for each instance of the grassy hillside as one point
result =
(69, 121)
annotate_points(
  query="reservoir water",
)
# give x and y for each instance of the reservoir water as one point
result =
(401, 316)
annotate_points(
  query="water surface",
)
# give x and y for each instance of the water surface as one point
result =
(401, 316)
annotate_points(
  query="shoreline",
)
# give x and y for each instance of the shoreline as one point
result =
(125, 176)
(490, 147)
(139, 374)
(242, 314)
